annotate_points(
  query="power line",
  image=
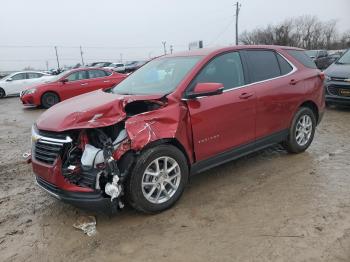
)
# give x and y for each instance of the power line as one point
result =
(222, 32)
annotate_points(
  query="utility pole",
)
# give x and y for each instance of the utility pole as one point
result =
(58, 62)
(47, 65)
(81, 54)
(238, 8)
(164, 47)
(171, 49)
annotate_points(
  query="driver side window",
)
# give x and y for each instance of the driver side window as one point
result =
(20, 76)
(226, 69)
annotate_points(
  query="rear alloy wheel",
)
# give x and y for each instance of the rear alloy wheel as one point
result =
(302, 131)
(158, 179)
(49, 99)
(2, 93)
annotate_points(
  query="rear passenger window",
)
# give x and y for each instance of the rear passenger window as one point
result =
(79, 75)
(284, 65)
(97, 73)
(226, 69)
(302, 58)
(263, 65)
(33, 75)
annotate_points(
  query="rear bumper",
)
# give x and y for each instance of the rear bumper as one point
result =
(92, 201)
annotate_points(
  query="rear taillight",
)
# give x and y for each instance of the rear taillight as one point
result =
(322, 76)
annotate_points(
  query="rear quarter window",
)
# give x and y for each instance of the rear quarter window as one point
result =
(302, 58)
(284, 65)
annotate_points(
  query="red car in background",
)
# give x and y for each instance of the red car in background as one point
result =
(69, 84)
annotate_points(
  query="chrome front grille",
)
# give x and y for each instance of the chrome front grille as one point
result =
(46, 148)
(332, 90)
(47, 152)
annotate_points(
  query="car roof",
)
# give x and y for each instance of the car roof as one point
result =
(86, 68)
(29, 71)
(213, 51)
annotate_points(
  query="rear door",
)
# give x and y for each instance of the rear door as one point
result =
(226, 121)
(276, 90)
(98, 79)
(77, 84)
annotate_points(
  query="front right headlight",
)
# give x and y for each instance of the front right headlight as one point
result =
(29, 91)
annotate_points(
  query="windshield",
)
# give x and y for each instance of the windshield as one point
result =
(160, 76)
(311, 53)
(345, 59)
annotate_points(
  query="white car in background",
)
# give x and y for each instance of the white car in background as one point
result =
(14, 83)
(117, 67)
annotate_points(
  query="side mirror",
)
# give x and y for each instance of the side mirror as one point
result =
(63, 81)
(206, 89)
(9, 79)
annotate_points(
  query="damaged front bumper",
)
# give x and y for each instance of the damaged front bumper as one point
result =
(92, 201)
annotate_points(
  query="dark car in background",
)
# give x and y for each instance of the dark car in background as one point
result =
(102, 64)
(338, 81)
(321, 58)
(134, 65)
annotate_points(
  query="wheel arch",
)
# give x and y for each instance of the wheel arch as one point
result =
(313, 106)
(170, 141)
(3, 90)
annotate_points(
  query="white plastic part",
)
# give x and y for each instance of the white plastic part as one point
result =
(90, 154)
(113, 189)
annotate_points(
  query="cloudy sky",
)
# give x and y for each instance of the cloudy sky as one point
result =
(135, 29)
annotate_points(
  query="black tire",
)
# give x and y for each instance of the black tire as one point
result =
(2, 93)
(291, 144)
(49, 99)
(134, 189)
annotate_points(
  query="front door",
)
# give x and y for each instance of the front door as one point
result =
(222, 122)
(16, 84)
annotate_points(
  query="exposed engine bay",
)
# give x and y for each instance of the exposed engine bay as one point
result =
(91, 159)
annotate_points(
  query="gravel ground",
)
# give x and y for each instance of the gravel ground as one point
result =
(269, 206)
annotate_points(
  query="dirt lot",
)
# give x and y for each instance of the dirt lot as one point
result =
(270, 206)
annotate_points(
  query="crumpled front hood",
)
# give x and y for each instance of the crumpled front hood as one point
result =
(338, 70)
(91, 110)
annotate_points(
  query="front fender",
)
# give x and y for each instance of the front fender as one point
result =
(171, 121)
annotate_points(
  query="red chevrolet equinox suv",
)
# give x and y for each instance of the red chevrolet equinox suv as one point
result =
(178, 115)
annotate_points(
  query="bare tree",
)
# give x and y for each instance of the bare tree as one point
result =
(305, 31)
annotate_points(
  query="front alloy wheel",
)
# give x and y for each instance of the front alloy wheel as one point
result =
(161, 180)
(158, 179)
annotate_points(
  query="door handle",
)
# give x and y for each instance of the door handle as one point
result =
(245, 95)
(106, 81)
(84, 84)
(293, 82)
